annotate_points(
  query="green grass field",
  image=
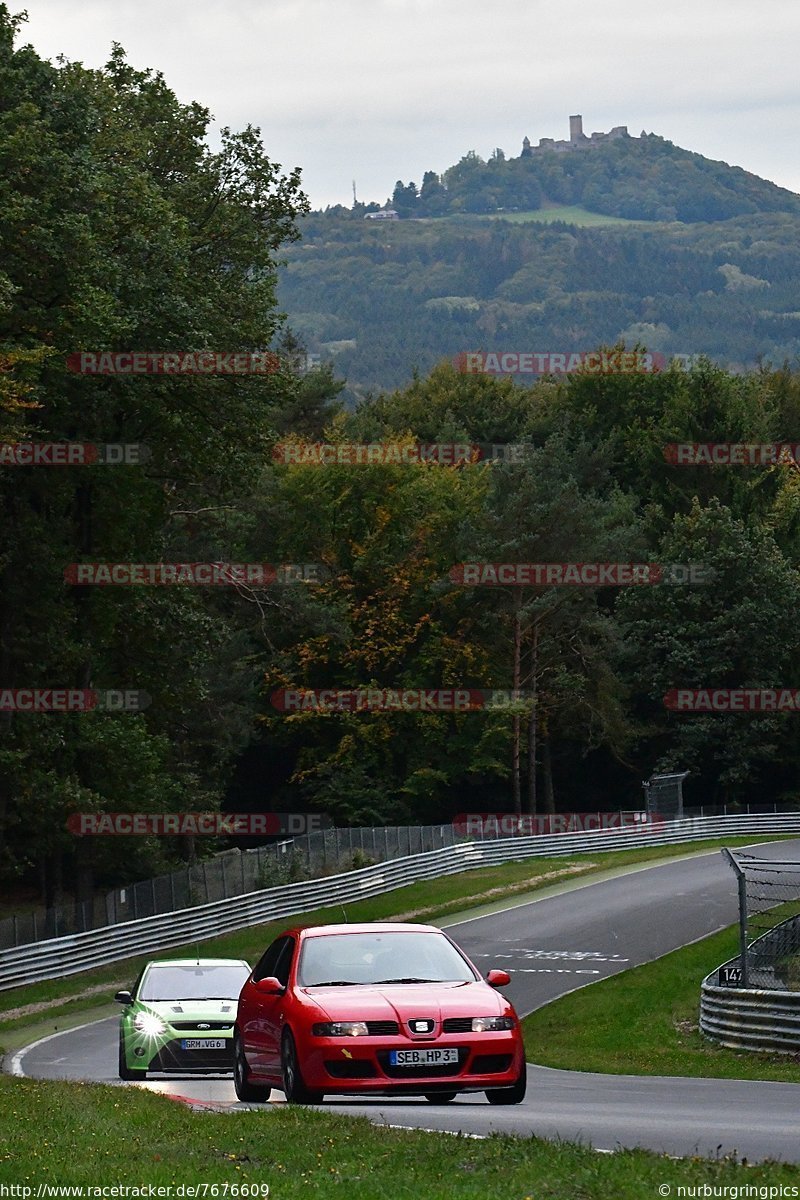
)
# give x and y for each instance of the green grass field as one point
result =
(90, 1134)
(571, 214)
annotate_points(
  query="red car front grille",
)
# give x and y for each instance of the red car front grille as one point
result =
(457, 1025)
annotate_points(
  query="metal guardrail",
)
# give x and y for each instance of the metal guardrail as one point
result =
(748, 1018)
(227, 874)
(236, 872)
(82, 951)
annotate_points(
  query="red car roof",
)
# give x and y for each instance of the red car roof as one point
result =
(365, 927)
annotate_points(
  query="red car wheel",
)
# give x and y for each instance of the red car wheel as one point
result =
(510, 1095)
(245, 1090)
(294, 1088)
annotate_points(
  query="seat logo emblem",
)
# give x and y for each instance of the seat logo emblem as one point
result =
(421, 1026)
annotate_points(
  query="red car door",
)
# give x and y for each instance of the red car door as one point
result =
(272, 1012)
(260, 1013)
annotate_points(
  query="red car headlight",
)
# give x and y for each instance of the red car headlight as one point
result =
(491, 1024)
(341, 1029)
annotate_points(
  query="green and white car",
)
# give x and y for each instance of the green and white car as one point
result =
(179, 1017)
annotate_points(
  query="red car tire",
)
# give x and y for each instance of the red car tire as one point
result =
(294, 1088)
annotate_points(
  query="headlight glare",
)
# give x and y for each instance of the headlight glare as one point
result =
(491, 1024)
(148, 1024)
(341, 1029)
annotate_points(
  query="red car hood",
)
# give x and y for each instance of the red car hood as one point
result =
(401, 1002)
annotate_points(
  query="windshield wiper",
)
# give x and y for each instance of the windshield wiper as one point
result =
(408, 979)
(333, 983)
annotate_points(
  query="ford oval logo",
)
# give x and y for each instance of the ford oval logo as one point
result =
(204, 1025)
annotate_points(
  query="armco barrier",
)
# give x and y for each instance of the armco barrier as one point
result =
(752, 1018)
(749, 1020)
(82, 951)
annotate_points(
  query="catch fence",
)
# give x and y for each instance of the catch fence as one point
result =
(769, 924)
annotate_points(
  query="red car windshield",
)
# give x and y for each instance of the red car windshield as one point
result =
(374, 958)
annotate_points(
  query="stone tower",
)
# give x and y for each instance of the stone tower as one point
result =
(576, 128)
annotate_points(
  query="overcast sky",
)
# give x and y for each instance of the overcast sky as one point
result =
(380, 90)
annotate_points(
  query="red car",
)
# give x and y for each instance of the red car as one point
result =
(375, 1009)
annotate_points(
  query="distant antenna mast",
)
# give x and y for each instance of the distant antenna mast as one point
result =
(355, 200)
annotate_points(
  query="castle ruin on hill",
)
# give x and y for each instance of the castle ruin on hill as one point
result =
(577, 139)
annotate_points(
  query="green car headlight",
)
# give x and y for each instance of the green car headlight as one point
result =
(148, 1024)
(491, 1024)
(341, 1029)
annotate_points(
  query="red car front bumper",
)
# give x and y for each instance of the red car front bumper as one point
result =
(364, 1064)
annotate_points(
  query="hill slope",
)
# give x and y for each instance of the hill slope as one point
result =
(381, 299)
(645, 178)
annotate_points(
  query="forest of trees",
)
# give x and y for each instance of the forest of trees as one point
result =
(381, 300)
(120, 230)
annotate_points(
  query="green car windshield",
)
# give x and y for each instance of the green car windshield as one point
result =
(192, 982)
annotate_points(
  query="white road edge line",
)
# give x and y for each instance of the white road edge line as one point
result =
(16, 1060)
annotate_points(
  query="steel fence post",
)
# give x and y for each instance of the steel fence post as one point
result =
(742, 888)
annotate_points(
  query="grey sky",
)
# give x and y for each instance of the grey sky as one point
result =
(376, 90)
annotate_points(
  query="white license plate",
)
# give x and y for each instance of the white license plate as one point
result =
(422, 1058)
(203, 1044)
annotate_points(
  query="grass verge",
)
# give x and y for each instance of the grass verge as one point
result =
(645, 1022)
(90, 1134)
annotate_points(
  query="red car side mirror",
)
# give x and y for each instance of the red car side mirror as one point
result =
(270, 986)
(498, 979)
